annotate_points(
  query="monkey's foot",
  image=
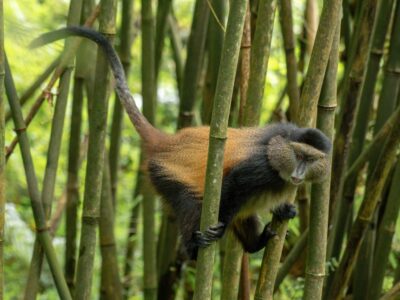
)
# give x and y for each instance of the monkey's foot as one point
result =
(285, 211)
(211, 234)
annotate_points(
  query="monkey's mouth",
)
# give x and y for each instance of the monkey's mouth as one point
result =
(295, 180)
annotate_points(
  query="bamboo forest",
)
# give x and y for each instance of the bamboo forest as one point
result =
(200, 149)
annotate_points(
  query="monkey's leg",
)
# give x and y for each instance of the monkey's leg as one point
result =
(285, 211)
(247, 231)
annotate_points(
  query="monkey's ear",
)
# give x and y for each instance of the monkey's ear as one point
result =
(315, 138)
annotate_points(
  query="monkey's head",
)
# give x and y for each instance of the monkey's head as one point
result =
(303, 156)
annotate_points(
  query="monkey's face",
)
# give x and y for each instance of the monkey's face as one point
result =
(297, 162)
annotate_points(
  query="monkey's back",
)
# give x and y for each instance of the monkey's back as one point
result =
(183, 156)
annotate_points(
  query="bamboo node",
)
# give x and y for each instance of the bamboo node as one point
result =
(316, 275)
(328, 107)
(90, 220)
(377, 51)
(245, 46)
(43, 229)
(19, 130)
(107, 245)
(395, 71)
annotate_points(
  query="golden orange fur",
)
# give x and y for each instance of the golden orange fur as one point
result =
(183, 156)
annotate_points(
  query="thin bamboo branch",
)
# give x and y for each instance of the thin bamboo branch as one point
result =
(218, 129)
(38, 211)
(94, 169)
(36, 84)
(46, 93)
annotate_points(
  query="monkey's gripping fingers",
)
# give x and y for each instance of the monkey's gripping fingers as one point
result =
(211, 234)
(285, 211)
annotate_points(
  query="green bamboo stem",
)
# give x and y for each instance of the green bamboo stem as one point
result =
(373, 192)
(286, 21)
(38, 211)
(94, 169)
(163, 10)
(214, 43)
(218, 129)
(2, 152)
(176, 47)
(132, 236)
(319, 209)
(111, 287)
(53, 152)
(46, 93)
(373, 146)
(76, 151)
(294, 254)
(308, 107)
(117, 117)
(231, 271)
(149, 98)
(361, 123)
(309, 31)
(260, 52)
(387, 103)
(25, 96)
(350, 96)
(73, 198)
(385, 236)
(194, 62)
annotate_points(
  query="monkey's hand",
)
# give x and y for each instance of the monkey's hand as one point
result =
(211, 234)
(285, 211)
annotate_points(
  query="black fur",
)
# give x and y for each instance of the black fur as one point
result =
(285, 211)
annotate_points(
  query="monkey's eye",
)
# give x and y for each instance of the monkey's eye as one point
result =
(310, 159)
(299, 156)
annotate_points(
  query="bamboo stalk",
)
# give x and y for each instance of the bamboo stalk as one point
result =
(260, 52)
(111, 287)
(163, 10)
(2, 152)
(75, 157)
(37, 208)
(176, 46)
(286, 21)
(373, 192)
(308, 106)
(53, 152)
(350, 96)
(194, 62)
(94, 169)
(294, 254)
(309, 31)
(117, 117)
(361, 123)
(148, 92)
(25, 96)
(46, 93)
(319, 209)
(386, 232)
(132, 237)
(218, 128)
(231, 271)
(392, 294)
(215, 38)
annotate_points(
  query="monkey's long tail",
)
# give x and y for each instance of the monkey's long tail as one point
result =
(147, 132)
